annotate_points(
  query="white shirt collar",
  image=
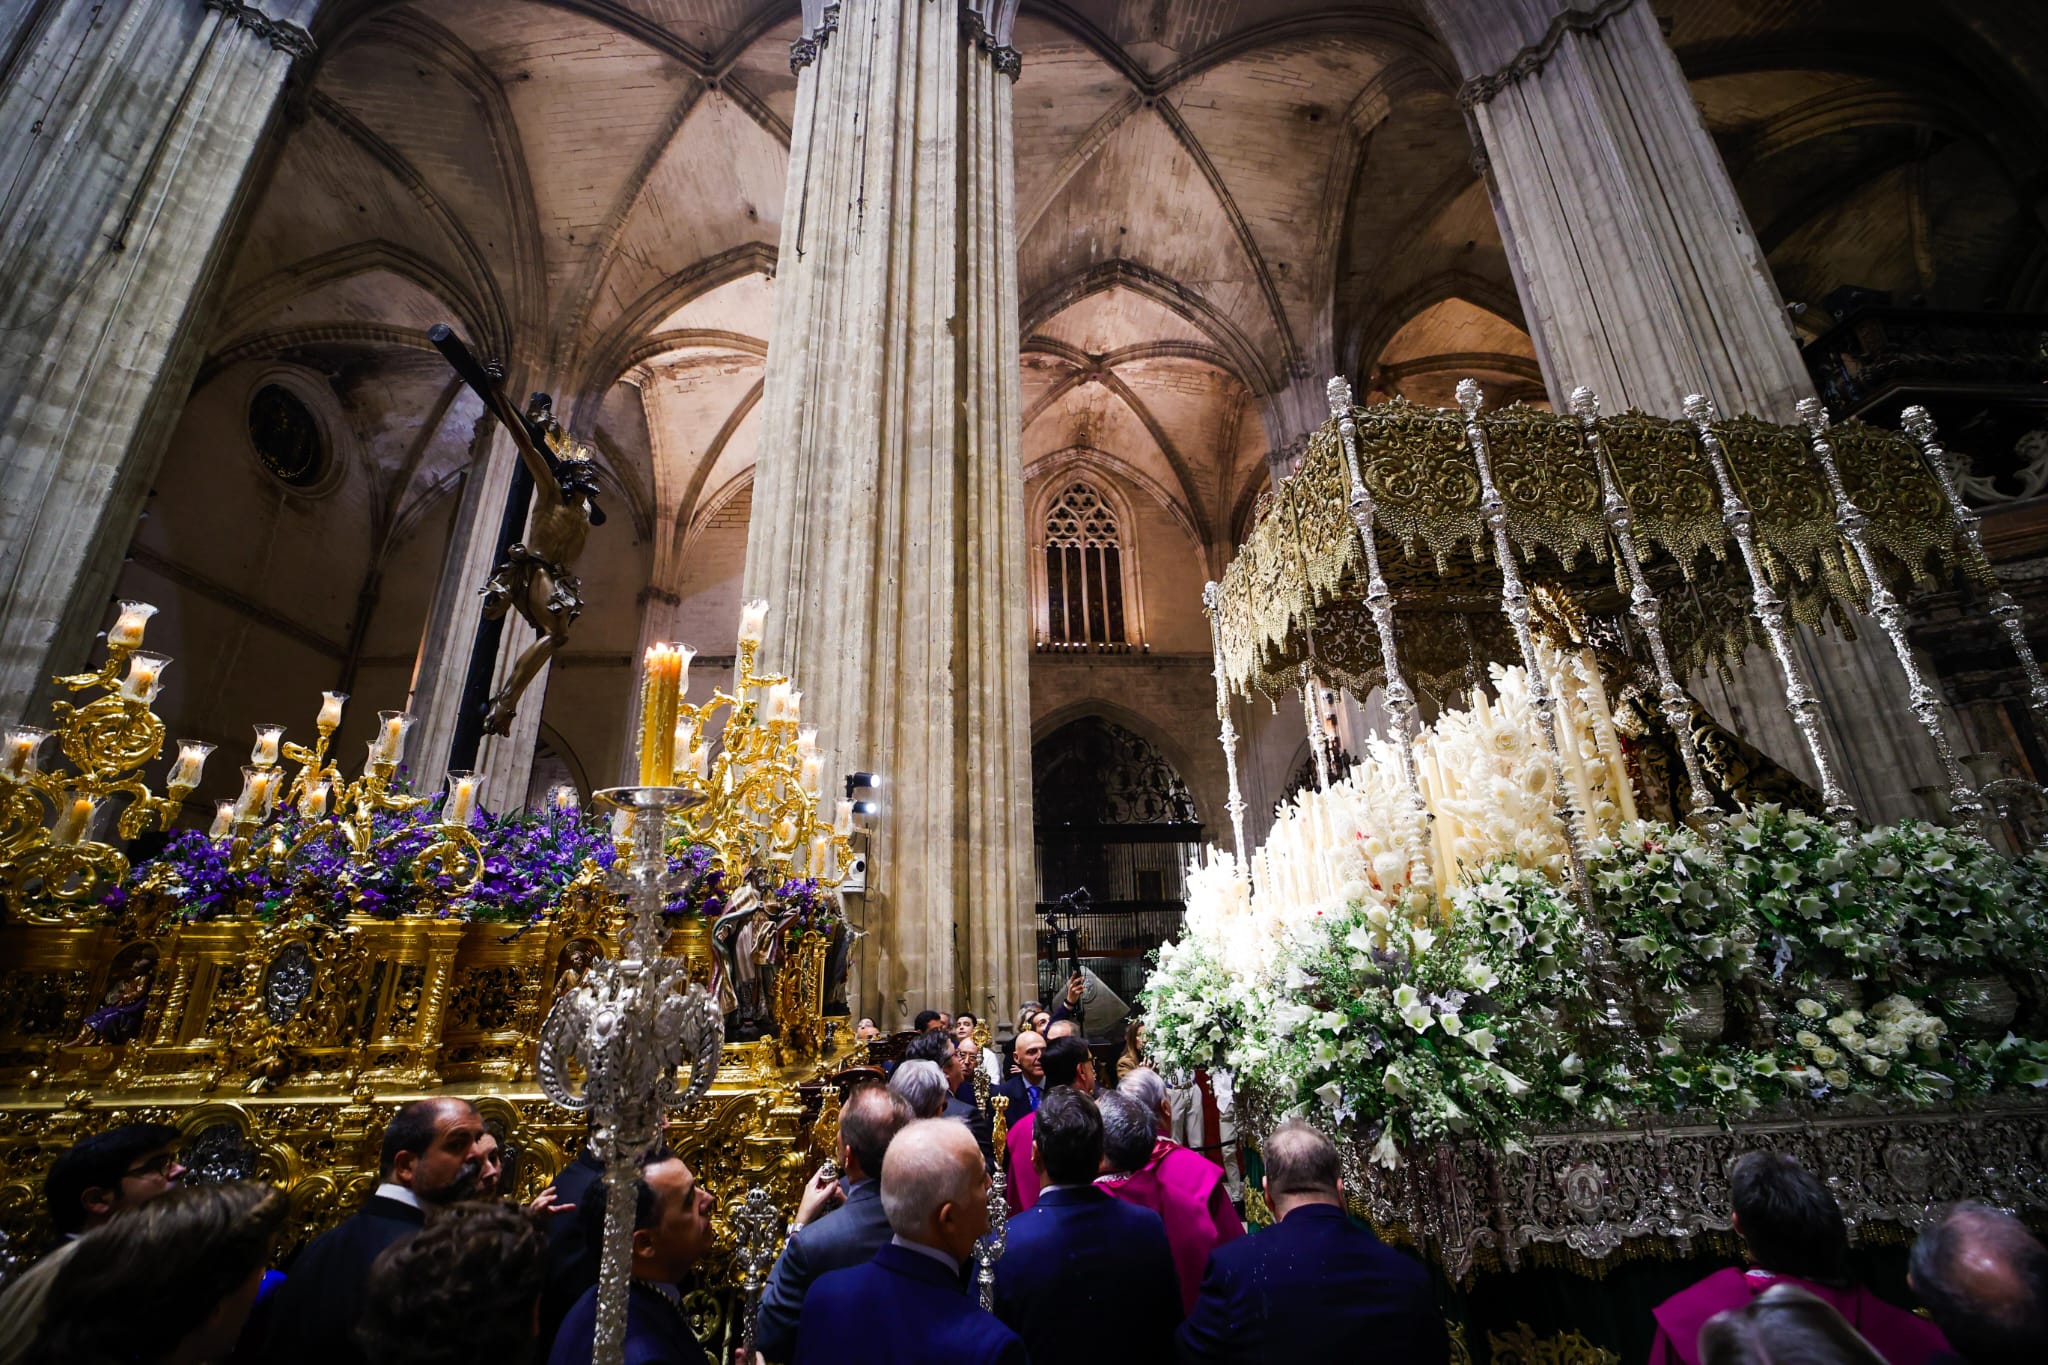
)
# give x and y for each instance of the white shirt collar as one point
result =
(387, 1190)
(921, 1249)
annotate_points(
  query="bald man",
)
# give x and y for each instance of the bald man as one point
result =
(910, 1305)
(1984, 1278)
(1028, 1085)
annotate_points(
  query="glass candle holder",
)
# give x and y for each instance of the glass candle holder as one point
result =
(392, 727)
(463, 789)
(563, 797)
(145, 677)
(223, 820)
(313, 805)
(74, 820)
(330, 711)
(185, 773)
(268, 740)
(21, 752)
(126, 632)
(753, 621)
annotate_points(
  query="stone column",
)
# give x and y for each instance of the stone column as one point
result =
(131, 131)
(888, 524)
(1641, 278)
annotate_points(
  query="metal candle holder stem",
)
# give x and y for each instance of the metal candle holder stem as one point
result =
(990, 1249)
(630, 1023)
(1648, 612)
(1769, 609)
(1396, 696)
(1212, 594)
(1964, 805)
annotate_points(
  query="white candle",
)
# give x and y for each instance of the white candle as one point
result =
(807, 741)
(753, 622)
(821, 856)
(391, 729)
(564, 797)
(72, 825)
(842, 819)
(684, 653)
(145, 674)
(792, 705)
(223, 820)
(191, 763)
(18, 756)
(461, 804)
(777, 703)
(268, 737)
(126, 632)
(785, 832)
(271, 782)
(330, 711)
(314, 804)
(812, 768)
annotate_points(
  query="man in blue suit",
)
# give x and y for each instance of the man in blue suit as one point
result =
(910, 1305)
(827, 1238)
(1316, 1286)
(671, 1233)
(1084, 1275)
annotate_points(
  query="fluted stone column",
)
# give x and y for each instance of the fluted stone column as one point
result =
(131, 129)
(888, 522)
(1641, 278)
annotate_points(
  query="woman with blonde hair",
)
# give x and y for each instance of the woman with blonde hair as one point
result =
(170, 1281)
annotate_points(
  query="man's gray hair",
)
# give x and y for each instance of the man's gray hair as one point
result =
(1129, 1131)
(1142, 1084)
(1300, 1160)
(922, 1086)
(931, 1162)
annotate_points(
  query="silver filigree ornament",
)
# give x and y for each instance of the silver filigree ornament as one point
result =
(630, 1025)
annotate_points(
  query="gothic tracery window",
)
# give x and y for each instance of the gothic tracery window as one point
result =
(1084, 575)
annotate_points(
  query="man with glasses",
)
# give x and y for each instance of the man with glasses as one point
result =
(109, 1173)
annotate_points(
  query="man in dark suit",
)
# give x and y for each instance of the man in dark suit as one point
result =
(427, 1160)
(1028, 1085)
(1083, 1275)
(1316, 1286)
(828, 1237)
(937, 1048)
(671, 1233)
(910, 1304)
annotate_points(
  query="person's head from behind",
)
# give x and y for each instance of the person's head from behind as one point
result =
(1144, 1085)
(100, 1176)
(1984, 1278)
(467, 1287)
(935, 1188)
(1128, 1133)
(1787, 1218)
(870, 1117)
(927, 1020)
(937, 1047)
(430, 1149)
(1068, 1062)
(671, 1220)
(923, 1087)
(1066, 1138)
(1060, 1028)
(490, 1165)
(1302, 1167)
(1784, 1325)
(1031, 1056)
(171, 1280)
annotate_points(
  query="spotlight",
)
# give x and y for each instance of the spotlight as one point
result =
(861, 782)
(865, 808)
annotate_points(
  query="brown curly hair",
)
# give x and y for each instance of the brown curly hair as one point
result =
(463, 1289)
(167, 1265)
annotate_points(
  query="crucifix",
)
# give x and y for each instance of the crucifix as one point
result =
(536, 577)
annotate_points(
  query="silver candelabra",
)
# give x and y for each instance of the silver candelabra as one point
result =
(631, 1023)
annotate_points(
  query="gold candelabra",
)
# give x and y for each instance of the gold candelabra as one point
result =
(761, 792)
(47, 852)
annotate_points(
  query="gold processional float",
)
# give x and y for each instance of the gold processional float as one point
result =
(331, 948)
(1553, 949)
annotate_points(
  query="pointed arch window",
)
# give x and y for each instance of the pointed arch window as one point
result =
(1084, 569)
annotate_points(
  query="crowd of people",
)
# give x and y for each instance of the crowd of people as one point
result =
(1120, 1242)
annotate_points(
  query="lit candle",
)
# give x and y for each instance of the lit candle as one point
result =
(391, 728)
(330, 711)
(842, 819)
(126, 632)
(792, 705)
(812, 769)
(264, 755)
(191, 763)
(72, 825)
(753, 622)
(821, 856)
(807, 741)
(223, 820)
(461, 804)
(314, 804)
(267, 787)
(248, 805)
(660, 699)
(777, 703)
(145, 676)
(18, 757)
(785, 832)
(564, 797)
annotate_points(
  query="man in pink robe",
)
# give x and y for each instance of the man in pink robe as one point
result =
(1182, 1186)
(1793, 1230)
